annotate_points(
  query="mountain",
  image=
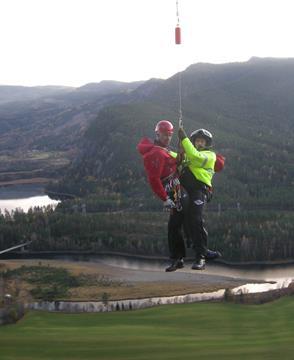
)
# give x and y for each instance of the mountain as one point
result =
(25, 93)
(146, 89)
(247, 106)
(107, 87)
(49, 119)
(43, 117)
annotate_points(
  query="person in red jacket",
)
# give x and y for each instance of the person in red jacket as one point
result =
(161, 168)
(159, 161)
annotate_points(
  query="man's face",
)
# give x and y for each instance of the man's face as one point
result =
(165, 138)
(200, 143)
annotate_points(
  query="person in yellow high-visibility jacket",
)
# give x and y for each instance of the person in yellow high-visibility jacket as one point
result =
(196, 178)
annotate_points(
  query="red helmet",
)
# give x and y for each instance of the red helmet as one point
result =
(164, 126)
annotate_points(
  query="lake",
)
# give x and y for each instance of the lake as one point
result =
(24, 197)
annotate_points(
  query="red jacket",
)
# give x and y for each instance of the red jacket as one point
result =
(158, 163)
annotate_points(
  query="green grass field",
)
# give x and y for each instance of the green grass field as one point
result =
(194, 331)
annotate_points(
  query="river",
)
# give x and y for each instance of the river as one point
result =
(144, 269)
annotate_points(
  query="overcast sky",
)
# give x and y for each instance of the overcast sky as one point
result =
(73, 42)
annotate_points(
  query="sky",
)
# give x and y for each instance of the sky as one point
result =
(74, 42)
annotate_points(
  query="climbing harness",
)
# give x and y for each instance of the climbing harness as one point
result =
(172, 187)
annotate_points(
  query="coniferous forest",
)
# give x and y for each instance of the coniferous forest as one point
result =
(243, 236)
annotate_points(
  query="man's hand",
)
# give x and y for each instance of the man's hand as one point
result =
(169, 204)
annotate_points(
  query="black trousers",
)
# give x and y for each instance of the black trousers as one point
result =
(198, 232)
(176, 242)
(190, 219)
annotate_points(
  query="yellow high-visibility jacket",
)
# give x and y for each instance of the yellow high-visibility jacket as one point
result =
(201, 163)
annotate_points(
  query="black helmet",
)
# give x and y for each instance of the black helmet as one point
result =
(202, 133)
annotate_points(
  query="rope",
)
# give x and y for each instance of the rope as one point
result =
(177, 5)
(179, 73)
(180, 101)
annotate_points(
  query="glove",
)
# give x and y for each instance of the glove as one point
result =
(182, 134)
(169, 204)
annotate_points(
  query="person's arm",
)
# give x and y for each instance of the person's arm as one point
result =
(199, 158)
(153, 166)
(157, 187)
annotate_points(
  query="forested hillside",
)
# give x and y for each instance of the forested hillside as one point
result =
(40, 126)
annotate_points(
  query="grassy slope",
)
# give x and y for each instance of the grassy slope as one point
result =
(203, 330)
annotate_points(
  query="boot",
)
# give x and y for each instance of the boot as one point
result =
(175, 265)
(212, 255)
(198, 264)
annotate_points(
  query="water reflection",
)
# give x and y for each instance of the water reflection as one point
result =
(257, 288)
(24, 197)
(26, 204)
